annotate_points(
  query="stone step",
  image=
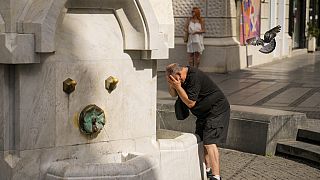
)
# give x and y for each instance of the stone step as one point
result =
(300, 149)
(309, 136)
(310, 124)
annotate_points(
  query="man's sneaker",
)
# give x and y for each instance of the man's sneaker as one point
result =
(209, 174)
(213, 178)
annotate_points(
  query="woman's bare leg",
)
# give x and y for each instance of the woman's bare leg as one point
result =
(191, 59)
(197, 59)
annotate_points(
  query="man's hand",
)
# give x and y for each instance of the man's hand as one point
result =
(171, 89)
(175, 83)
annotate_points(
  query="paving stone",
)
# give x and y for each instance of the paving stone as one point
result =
(240, 165)
(313, 101)
(288, 96)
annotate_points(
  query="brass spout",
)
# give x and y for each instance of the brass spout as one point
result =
(69, 85)
(111, 83)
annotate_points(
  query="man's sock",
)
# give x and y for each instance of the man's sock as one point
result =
(217, 177)
(209, 172)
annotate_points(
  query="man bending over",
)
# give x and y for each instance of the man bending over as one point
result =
(208, 103)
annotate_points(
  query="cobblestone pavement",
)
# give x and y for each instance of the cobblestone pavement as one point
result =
(239, 165)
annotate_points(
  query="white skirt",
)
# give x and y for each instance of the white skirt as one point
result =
(195, 43)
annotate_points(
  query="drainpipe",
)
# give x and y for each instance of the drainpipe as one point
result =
(242, 19)
(281, 21)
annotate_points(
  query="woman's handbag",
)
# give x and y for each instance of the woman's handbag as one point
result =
(186, 37)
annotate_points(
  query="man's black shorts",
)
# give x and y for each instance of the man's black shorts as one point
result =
(214, 129)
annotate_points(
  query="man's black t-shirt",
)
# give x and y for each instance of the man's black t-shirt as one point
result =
(210, 100)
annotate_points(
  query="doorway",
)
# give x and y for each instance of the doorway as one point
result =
(297, 20)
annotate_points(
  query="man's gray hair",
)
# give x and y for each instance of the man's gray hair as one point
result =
(173, 69)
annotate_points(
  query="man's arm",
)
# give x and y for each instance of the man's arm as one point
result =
(203, 29)
(172, 91)
(186, 25)
(184, 97)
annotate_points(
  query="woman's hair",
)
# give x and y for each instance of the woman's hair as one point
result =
(197, 13)
(173, 69)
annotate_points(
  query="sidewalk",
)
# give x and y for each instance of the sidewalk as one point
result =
(239, 165)
(291, 84)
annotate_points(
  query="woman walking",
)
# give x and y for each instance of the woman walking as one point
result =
(195, 27)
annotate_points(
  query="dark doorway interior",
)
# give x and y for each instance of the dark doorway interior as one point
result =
(314, 15)
(297, 23)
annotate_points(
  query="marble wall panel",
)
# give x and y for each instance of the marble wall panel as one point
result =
(28, 166)
(221, 8)
(265, 10)
(90, 63)
(41, 18)
(84, 3)
(214, 58)
(164, 13)
(126, 108)
(179, 26)
(6, 16)
(215, 27)
(5, 126)
(264, 26)
(89, 37)
(36, 105)
(287, 12)
(143, 99)
(220, 27)
(183, 8)
(4, 4)
(2, 24)
(20, 51)
(90, 89)
(2, 98)
(10, 11)
(286, 30)
(147, 145)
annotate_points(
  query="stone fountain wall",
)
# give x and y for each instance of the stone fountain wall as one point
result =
(45, 42)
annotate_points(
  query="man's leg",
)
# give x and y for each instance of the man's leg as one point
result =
(206, 158)
(208, 163)
(213, 155)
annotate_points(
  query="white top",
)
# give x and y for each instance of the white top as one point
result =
(195, 41)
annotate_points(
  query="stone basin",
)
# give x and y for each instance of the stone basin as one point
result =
(120, 166)
(180, 152)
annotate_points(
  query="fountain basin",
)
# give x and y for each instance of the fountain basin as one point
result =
(180, 152)
(118, 166)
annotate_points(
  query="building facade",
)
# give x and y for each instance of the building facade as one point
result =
(223, 20)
